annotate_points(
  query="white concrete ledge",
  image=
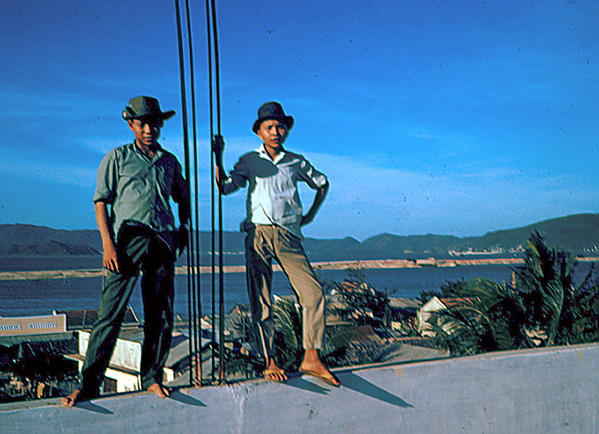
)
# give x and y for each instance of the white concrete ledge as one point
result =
(530, 391)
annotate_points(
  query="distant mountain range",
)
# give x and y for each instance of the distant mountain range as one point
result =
(577, 233)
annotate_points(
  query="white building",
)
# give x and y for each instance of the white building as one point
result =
(436, 304)
(123, 373)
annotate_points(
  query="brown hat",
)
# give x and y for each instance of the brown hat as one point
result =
(141, 106)
(272, 110)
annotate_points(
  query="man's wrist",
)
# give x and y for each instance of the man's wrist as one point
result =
(108, 245)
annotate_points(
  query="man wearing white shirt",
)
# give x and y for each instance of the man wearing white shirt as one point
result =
(273, 226)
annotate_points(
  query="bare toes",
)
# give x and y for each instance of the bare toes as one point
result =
(71, 400)
(159, 390)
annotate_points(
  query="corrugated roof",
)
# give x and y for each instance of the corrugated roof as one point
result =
(403, 302)
(51, 337)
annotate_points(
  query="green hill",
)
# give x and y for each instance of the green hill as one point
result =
(577, 233)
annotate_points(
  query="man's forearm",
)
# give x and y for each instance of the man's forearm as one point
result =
(109, 255)
(321, 194)
(221, 175)
(102, 221)
(184, 209)
(218, 147)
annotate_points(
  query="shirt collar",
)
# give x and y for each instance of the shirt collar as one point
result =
(262, 153)
(157, 154)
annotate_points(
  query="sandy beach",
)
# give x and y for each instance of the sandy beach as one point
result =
(332, 265)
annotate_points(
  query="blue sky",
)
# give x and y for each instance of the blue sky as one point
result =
(445, 117)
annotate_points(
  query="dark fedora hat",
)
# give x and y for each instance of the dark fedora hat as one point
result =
(272, 110)
(141, 106)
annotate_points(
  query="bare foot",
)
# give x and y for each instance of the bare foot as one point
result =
(159, 390)
(71, 400)
(312, 365)
(274, 373)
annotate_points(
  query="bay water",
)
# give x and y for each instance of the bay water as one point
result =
(42, 297)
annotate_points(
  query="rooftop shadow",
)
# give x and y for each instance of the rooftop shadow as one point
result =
(308, 386)
(358, 384)
(185, 399)
(90, 406)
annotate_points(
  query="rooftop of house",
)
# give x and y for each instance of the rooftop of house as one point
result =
(82, 319)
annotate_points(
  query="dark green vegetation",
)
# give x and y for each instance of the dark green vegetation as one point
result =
(542, 306)
(577, 233)
(38, 369)
(359, 303)
(548, 302)
(359, 308)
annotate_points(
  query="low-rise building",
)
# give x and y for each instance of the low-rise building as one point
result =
(123, 373)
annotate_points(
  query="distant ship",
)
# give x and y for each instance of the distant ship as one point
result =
(471, 251)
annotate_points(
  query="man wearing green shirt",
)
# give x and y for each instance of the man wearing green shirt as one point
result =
(132, 203)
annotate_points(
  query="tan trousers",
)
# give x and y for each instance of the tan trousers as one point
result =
(262, 244)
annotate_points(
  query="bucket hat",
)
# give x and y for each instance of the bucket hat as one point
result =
(272, 110)
(141, 106)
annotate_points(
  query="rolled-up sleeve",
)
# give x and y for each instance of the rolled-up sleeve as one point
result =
(180, 187)
(311, 176)
(106, 181)
(237, 178)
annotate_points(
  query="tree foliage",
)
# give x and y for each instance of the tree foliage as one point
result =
(543, 307)
(288, 336)
(361, 303)
(237, 363)
(42, 366)
(288, 341)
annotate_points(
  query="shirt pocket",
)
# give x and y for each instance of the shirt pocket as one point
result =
(133, 180)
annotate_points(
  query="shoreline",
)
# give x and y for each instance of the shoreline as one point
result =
(330, 265)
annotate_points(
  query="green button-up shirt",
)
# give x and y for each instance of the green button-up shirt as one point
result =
(139, 189)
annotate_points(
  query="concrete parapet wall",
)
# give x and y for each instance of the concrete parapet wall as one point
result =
(531, 391)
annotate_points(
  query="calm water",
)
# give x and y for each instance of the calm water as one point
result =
(41, 297)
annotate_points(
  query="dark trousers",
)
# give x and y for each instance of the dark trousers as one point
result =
(137, 251)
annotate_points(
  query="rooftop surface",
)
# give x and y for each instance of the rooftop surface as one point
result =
(528, 391)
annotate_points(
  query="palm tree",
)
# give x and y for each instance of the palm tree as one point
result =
(543, 307)
(288, 341)
(555, 306)
(487, 316)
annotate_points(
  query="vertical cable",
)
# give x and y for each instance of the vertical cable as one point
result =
(221, 292)
(212, 189)
(191, 310)
(194, 310)
(185, 146)
(198, 316)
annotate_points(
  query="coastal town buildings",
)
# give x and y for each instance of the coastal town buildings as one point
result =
(68, 331)
(30, 349)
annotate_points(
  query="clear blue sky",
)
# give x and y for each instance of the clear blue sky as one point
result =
(444, 117)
